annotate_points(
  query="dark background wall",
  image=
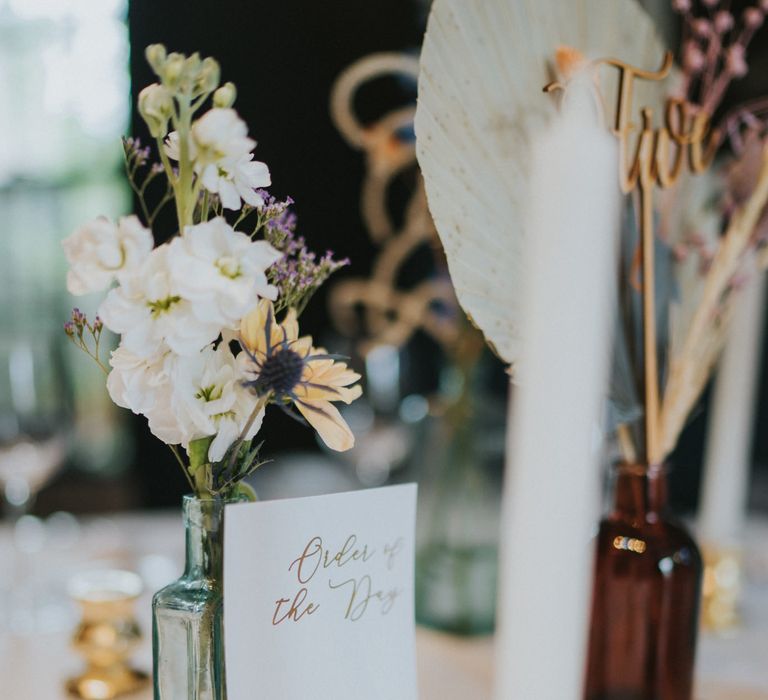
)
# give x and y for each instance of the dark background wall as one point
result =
(284, 56)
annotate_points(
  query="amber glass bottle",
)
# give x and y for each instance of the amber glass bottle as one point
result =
(646, 596)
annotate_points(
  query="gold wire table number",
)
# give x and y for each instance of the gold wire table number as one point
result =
(655, 158)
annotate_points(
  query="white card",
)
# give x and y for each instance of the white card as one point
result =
(319, 597)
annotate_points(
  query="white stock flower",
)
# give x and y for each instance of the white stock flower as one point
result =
(210, 399)
(220, 271)
(148, 311)
(135, 381)
(172, 147)
(236, 179)
(144, 386)
(221, 151)
(220, 134)
(164, 423)
(101, 251)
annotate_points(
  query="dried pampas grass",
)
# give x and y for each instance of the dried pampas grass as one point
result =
(691, 366)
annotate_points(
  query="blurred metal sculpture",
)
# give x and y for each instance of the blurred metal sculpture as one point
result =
(391, 314)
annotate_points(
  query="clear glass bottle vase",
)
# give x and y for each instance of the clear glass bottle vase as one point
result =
(187, 615)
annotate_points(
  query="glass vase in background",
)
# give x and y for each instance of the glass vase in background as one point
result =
(460, 461)
(646, 596)
(187, 615)
(35, 416)
(35, 420)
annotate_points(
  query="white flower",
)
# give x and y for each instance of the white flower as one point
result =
(210, 399)
(149, 311)
(144, 385)
(236, 179)
(221, 151)
(136, 382)
(100, 251)
(172, 147)
(220, 134)
(221, 271)
(164, 423)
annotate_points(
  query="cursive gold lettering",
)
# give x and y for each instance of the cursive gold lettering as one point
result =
(296, 610)
(315, 555)
(362, 594)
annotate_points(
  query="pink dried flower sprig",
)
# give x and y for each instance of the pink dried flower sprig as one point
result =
(86, 335)
(714, 48)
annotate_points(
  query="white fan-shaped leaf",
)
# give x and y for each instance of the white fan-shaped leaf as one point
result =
(483, 67)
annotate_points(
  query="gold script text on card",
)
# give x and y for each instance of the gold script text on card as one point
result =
(296, 610)
(315, 554)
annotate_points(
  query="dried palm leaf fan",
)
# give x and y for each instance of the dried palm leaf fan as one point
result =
(483, 67)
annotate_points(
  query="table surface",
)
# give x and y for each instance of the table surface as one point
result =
(450, 668)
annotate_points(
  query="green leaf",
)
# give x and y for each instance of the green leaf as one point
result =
(242, 493)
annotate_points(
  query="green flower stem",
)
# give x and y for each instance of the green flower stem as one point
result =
(185, 201)
(260, 404)
(204, 207)
(167, 165)
(175, 450)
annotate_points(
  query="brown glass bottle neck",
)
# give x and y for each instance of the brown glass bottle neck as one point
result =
(640, 492)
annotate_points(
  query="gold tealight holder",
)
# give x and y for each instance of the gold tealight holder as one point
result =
(107, 635)
(721, 591)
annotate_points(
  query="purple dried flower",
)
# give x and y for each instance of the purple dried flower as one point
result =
(735, 61)
(724, 22)
(701, 27)
(681, 6)
(693, 58)
(754, 17)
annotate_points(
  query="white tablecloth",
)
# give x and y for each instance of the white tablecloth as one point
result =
(450, 668)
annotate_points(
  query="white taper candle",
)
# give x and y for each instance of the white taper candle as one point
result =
(731, 424)
(551, 493)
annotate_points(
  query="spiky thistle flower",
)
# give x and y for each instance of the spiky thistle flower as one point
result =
(291, 372)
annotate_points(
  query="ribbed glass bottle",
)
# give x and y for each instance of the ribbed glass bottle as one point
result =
(187, 615)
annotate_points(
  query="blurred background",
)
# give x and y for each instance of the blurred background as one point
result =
(434, 406)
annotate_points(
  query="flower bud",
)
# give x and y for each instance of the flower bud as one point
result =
(156, 107)
(225, 96)
(693, 58)
(702, 27)
(172, 70)
(753, 17)
(209, 77)
(736, 61)
(192, 67)
(724, 22)
(156, 55)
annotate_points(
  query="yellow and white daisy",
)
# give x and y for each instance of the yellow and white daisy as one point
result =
(290, 371)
